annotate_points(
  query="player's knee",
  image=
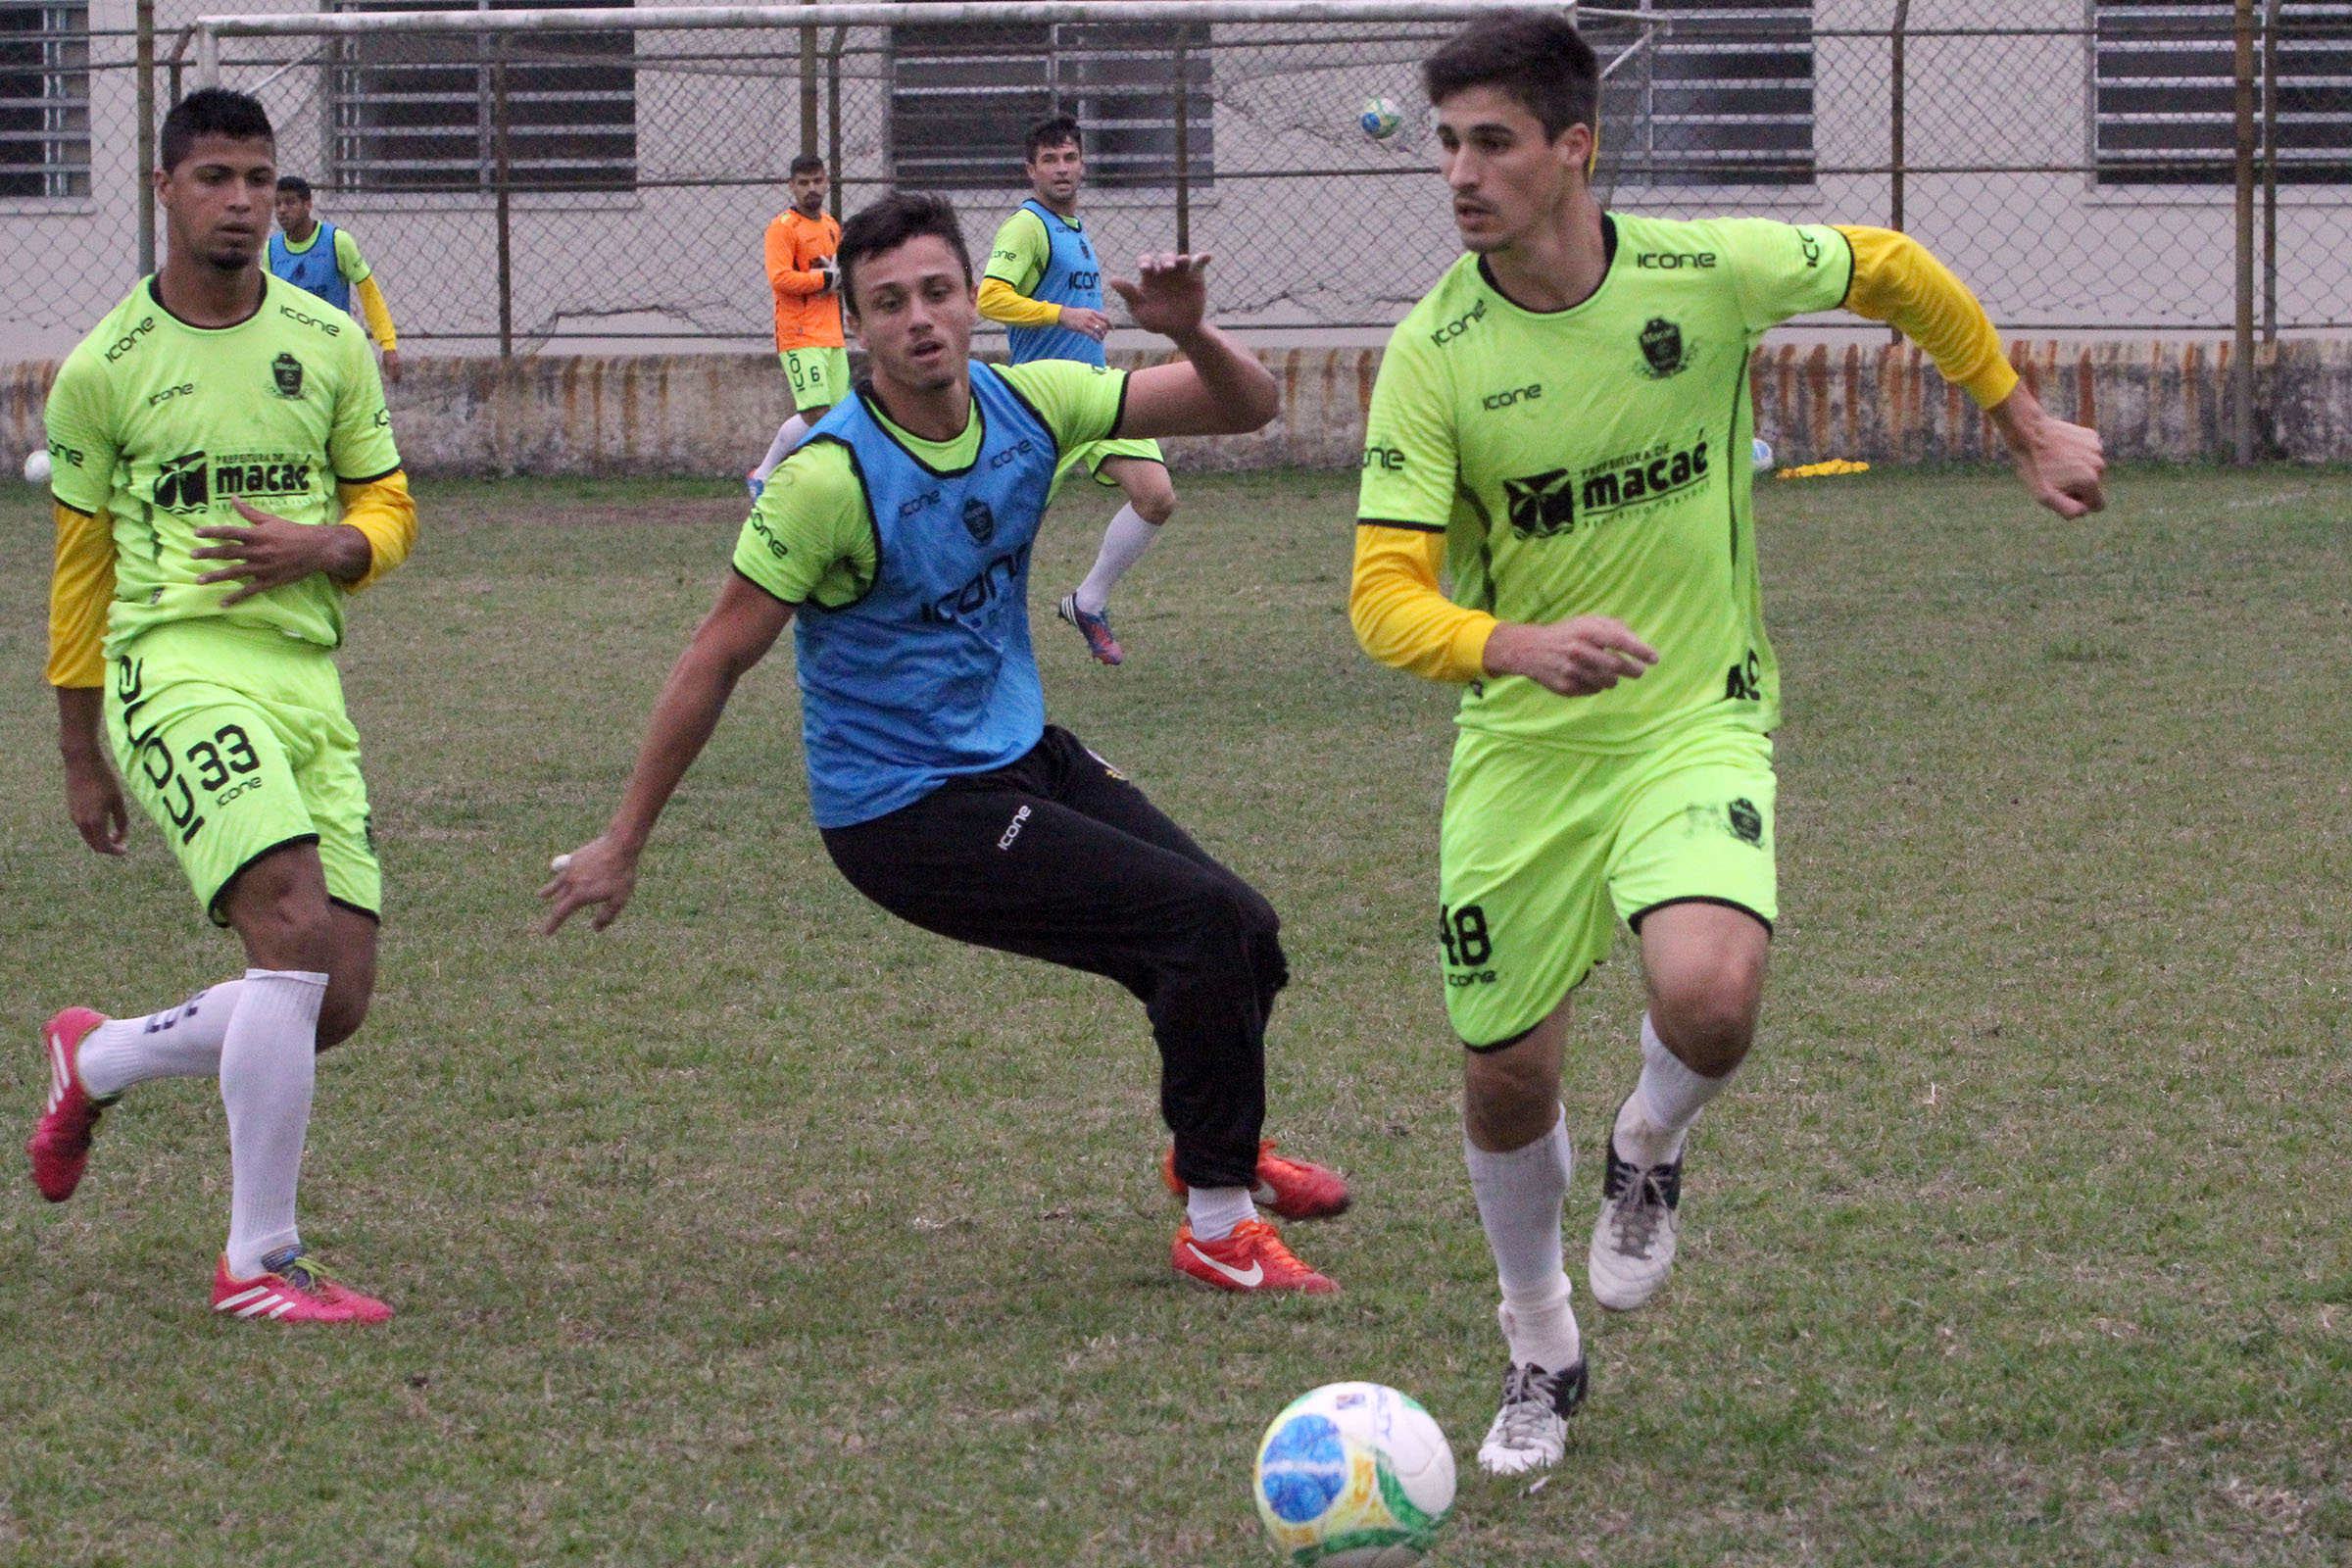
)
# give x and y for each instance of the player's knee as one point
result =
(1154, 500)
(342, 1013)
(286, 928)
(1709, 1023)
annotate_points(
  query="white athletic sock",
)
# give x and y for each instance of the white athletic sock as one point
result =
(1519, 1197)
(1216, 1213)
(268, 1065)
(787, 434)
(1123, 545)
(1657, 1115)
(183, 1042)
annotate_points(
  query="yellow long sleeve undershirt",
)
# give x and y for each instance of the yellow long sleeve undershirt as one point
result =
(1401, 617)
(82, 583)
(1000, 301)
(377, 313)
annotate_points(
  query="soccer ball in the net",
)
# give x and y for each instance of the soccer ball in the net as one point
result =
(1379, 118)
(1353, 1475)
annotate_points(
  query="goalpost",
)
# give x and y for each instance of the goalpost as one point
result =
(604, 172)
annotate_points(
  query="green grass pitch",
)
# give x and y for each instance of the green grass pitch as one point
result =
(763, 1230)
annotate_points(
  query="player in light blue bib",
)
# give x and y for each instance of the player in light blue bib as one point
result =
(1044, 283)
(896, 542)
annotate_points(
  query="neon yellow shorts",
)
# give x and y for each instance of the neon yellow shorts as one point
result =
(820, 377)
(1089, 458)
(236, 743)
(1543, 850)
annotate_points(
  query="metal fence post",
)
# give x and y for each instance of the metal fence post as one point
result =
(144, 174)
(2269, 172)
(809, 89)
(505, 238)
(833, 120)
(2242, 383)
(1897, 112)
(1184, 154)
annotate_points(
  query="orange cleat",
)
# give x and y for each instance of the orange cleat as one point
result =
(1294, 1189)
(59, 1144)
(1252, 1259)
(295, 1289)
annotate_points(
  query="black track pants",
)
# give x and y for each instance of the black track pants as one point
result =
(1059, 856)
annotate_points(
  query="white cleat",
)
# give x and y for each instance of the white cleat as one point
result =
(1633, 1240)
(1530, 1429)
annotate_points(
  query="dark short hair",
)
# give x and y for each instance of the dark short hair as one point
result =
(1537, 57)
(1055, 131)
(210, 112)
(807, 164)
(888, 223)
(294, 185)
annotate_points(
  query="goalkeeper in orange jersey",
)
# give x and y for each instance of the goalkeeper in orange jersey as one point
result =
(801, 247)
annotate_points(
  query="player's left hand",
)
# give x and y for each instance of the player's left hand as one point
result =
(2064, 465)
(275, 550)
(1170, 297)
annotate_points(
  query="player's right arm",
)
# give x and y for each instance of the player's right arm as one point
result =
(1404, 501)
(807, 538)
(81, 585)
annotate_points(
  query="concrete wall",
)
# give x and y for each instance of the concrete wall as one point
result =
(713, 414)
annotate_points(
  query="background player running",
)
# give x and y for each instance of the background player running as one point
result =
(216, 386)
(325, 259)
(1045, 284)
(896, 540)
(801, 243)
(1564, 424)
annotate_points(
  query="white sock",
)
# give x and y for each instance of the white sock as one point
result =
(1216, 1213)
(269, 1064)
(1519, 1197)
(183, 1042)
(1123, 545)
(788, 435)
(1657, 1115)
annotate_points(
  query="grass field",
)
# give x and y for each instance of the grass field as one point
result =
(763, 1230)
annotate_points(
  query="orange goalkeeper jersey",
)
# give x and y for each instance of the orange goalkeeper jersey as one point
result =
(807, 317)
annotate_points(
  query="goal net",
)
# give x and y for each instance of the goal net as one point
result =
(603, 174)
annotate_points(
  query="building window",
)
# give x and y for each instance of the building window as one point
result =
(2166, 82)
(420, 112)
(961, 99)
(44, 101)
(1726, 98)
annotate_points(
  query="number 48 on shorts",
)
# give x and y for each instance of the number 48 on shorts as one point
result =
(1468, 947)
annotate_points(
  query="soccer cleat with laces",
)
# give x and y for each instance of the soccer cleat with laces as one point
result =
(1633, 1240)
(1250, 1260)
(1530, 1429)
(1094, 628)
(1294, 1189)
(293, 1289)
(59, 1144)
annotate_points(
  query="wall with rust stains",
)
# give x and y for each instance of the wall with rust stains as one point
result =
(714, 413)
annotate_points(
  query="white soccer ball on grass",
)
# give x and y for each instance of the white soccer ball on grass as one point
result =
(1353, 1475)
(36, 466)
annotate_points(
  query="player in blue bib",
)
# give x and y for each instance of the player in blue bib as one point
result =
(896, 542)
(1044, 283)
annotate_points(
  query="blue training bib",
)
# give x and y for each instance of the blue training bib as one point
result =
(1073, 278)
(931, 674)
(314, 268)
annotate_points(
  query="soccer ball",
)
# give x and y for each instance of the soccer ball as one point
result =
(1379, 118)
(36, 467)
(1353, 1475)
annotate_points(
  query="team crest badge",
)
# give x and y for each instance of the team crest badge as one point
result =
(1748, 824)
(979, 522)
(288, 372)
(1662, 347)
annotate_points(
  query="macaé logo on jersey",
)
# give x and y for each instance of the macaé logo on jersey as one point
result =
(1542, 504)
(286, 372)
(979, 522)
(189, 483)
(183, 484)
(1459, 324)
(1663, 349)
(130, 339)
(1674, 261)
(1517, 393)
(1653, 476)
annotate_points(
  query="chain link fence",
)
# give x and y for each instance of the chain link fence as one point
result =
(524, 189)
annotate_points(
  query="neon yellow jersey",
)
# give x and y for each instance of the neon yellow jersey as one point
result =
(165, 426)
(1594, 460)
